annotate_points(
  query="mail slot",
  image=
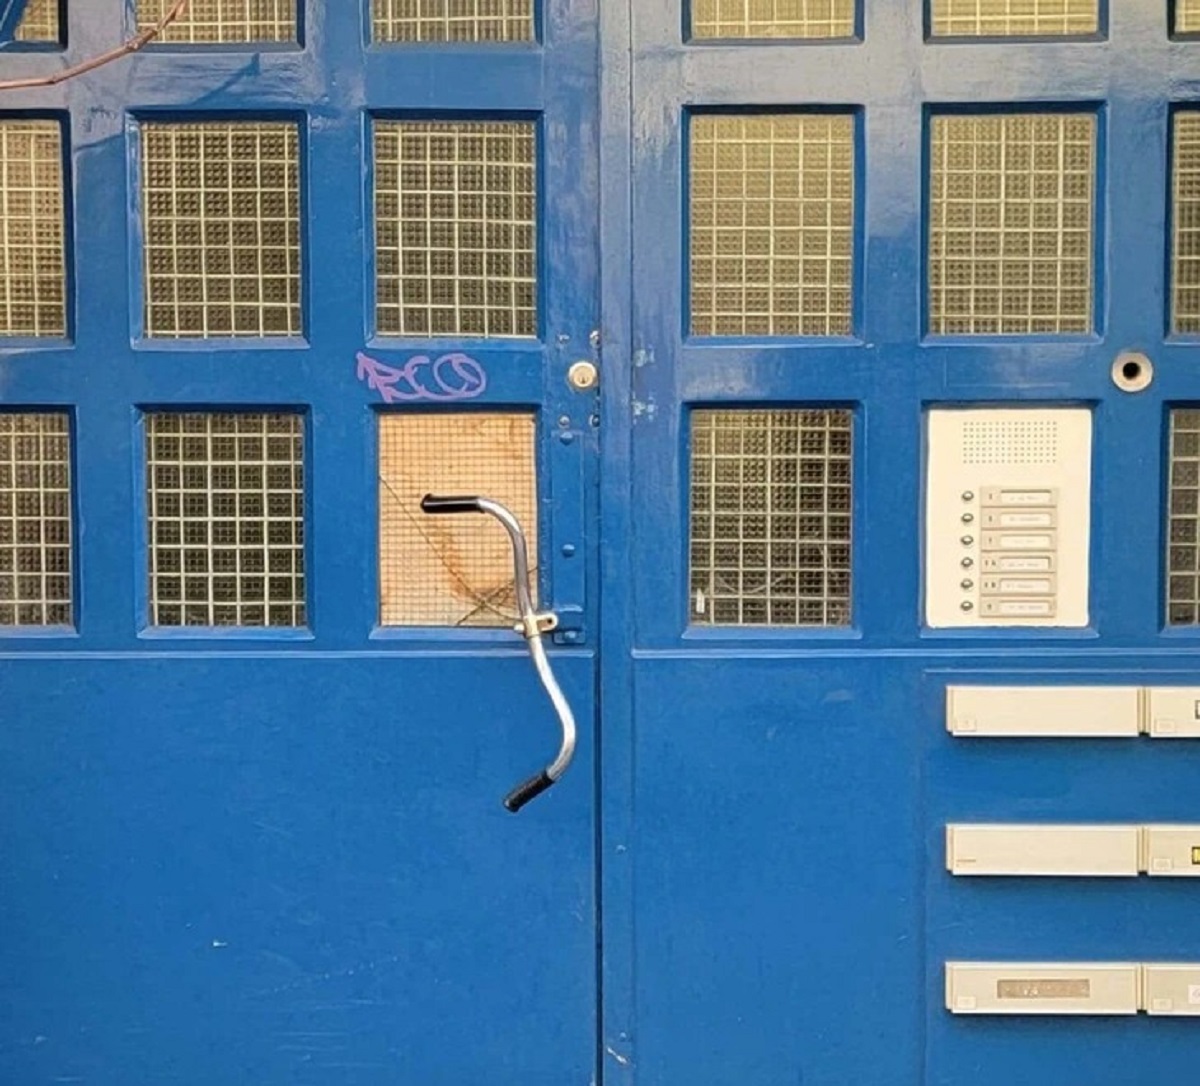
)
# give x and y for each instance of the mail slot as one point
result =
(1172, 851)
(1172, 989)
(1042, 988)
(1174, 712)
(1097, 851)
(1103, 711)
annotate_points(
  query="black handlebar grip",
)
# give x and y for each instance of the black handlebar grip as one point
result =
(433, 504)
(524, 792)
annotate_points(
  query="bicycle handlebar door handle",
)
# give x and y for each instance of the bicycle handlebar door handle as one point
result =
(531, 627)
(434, 505)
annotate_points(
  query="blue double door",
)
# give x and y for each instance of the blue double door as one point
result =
(260, 725)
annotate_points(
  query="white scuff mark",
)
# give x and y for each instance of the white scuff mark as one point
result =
(218, 944)
(622, 1060)
(646, 409)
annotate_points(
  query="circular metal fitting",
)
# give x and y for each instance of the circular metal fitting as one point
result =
(1132, 371)
(583, 376)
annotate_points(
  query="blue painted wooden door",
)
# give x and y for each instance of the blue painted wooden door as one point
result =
(844, 217)
(250, 803)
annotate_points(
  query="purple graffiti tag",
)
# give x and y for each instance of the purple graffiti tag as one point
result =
(447, 379)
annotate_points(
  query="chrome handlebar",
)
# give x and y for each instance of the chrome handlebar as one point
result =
(532, 626)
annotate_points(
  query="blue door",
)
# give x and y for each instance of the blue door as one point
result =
(266, 285)
(912, 447)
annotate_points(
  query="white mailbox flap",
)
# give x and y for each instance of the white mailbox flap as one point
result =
(1172, 851)
(1172, 989)
(1043, 850)
(1173, 712)
(1042, 988)
(1104, 711)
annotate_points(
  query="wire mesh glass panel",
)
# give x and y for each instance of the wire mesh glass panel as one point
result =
(35, 519)
(772, 18)
(771, 213)
(455, 228)
(453, 570)
(1185, 213)
(216, 21)
(452, 20)
(33, 286)
(226, 519)
(1014, 18)
(221, 223)
(771, 512)
(1187, 16)
(1183, 520)
(1011, 231)
(41, 22)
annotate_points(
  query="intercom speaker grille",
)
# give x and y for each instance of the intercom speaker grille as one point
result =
(748, 19)
(1031, 441)
(1185, 278)
(205, 22)
(40, 23)
(456, 228)
(35, 519)
(33, 285)
(221, 218)
(1187, 16)
(771, 515)
(771, 212)
(1183, 519)
(1014, 18)
(453, 570)
(225, 497)
(1011, 228)
(452, 20)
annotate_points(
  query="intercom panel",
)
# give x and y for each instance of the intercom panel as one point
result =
(1008, 516)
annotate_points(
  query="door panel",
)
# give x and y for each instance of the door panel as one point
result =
(256, 868)
(993, 231)
(252, 797)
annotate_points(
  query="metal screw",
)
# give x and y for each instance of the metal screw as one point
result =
(568, 550)
(566, 437)
(564, 421)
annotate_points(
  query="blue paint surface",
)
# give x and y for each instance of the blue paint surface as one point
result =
(11, 14)
(282, 859)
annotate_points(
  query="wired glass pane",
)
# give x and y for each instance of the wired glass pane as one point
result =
(226, 519)
(221, 21)
(40, 23)
(35, 519)
(221, 217)
(452, 20)
(33, 276)
(743, 19)
(771, 227)
(456, 228)
(771, 512)
(1014, 18)
(1185, 213)
(453, 570)
(1187, 16)
(1183, 520)
(1011, 232)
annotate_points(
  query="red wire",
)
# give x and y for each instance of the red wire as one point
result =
(131, 46)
